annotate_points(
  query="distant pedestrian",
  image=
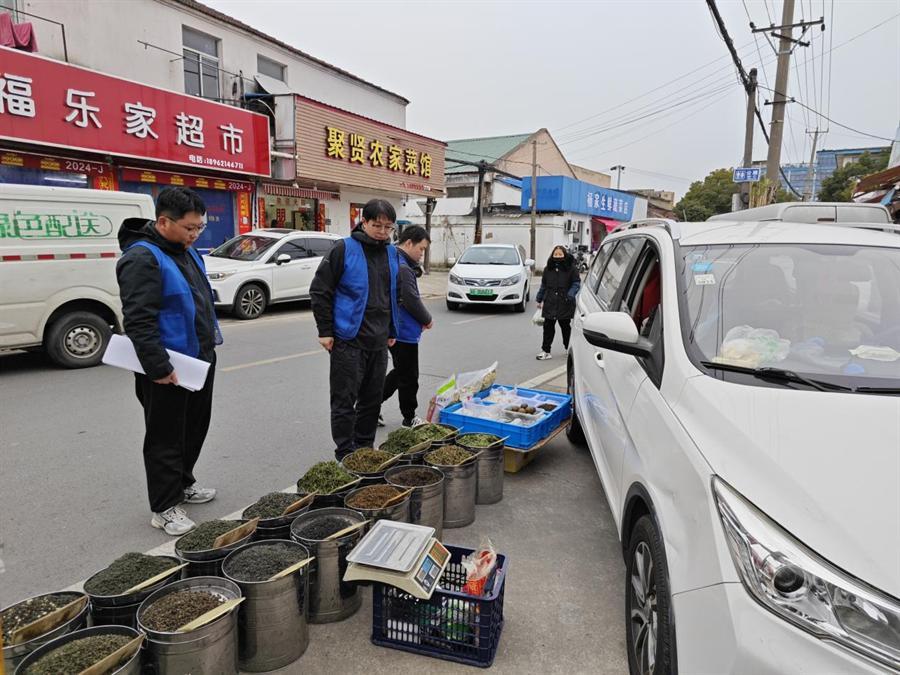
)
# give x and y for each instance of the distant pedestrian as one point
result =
(167, 304)
(414, 318)
(354, 301)
(556, 298)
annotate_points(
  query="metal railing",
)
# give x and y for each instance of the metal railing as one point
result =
(62, 28)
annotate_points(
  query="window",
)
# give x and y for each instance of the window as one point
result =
(619, 261)
(490, 255)
(319, 246)
(269, 67)
(244, 247)
(464, 191)
(201, 63)
(296, 249)
(597, 266)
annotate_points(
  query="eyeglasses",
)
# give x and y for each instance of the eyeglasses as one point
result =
(194, 230)
(387, 227)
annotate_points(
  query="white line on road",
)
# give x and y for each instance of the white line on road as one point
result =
(266, 362)
(477, 318)
(545, 377)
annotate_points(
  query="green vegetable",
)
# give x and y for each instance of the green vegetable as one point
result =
(400, 441)
(324, 478)
(449, 455)
(432, 432)
(477, 440)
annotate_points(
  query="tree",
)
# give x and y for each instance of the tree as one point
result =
(708, 197)
(839, 186)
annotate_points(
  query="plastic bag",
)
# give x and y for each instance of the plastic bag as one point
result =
(538, 318)
(461, 387)
(750, 347)
(479, 566)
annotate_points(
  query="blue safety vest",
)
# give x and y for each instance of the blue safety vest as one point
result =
(410, 330)
(176, 318)
(352, 293)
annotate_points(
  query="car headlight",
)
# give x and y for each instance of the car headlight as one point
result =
(795, 583)
(218, 276)
(511, 281)
(456, 280)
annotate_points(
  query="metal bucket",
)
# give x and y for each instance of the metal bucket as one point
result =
(409, 458)
(121, 610)
(14, 654)
(326, 501)
(330, 597)
(212, 648)
(396, 512)
(276, 528)
(490, 475)
(367, 478)
(130, 667)
(208, 563)
(460, 488)
(426, 502)
(272, 625)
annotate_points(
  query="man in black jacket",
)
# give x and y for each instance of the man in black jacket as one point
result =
(167, 304)
(355, 306)
(414, 318)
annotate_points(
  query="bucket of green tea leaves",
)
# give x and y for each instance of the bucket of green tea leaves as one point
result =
(490, 465)
(369, 464)
(329, 481)
(31, 623)
(191, 626)
(204, 549)
(276, 511)
(436, 434)
(330, 534)
(405, 442)
(111, 650)
(117, 591)
(459, 467)
(380, 502)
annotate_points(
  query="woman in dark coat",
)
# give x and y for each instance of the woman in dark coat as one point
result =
(556, 298)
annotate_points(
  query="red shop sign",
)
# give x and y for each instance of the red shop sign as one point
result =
(187, 180)
(26, 160)
(54, 103)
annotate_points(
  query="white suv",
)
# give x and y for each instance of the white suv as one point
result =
(265, 266)
(498, 274)
(738, 386)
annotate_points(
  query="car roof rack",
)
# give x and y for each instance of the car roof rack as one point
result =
(670, 226)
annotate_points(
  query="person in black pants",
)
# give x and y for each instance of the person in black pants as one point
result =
(354, 302)
(556, 298)
(414, 318)
(167, 303)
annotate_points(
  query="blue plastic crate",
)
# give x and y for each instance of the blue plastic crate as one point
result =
(516, 436)
(451, 625)
(555, 418)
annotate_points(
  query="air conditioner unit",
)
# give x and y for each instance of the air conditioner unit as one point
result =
(571, 225)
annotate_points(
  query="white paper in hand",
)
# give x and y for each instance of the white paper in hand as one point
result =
(191, 372)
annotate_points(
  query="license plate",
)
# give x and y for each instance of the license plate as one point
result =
(481, 291)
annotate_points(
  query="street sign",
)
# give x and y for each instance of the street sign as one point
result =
(747, 175)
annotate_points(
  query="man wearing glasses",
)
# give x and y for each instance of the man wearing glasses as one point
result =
(354, 300)
(167, 304)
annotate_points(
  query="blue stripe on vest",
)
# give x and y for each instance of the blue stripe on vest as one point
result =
(352, 292)
(410, 330)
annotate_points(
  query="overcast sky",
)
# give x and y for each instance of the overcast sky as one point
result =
(483, 68)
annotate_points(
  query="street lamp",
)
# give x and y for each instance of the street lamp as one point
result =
(618, 168)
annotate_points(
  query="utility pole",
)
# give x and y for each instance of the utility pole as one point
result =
(747, 159)
(429, 209)
(776, 131)
(810, 191)
(533, 199)
(618, 168)
(482, 165)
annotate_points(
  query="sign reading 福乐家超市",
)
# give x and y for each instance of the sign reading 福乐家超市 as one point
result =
(52, 103)
(343, 148)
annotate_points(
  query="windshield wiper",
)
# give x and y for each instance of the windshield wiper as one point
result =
(777, 375)
(878, 390)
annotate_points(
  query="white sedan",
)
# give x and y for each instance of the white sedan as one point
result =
(263, 267)
(498, 274)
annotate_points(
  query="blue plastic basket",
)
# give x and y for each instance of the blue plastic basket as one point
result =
(452, 625)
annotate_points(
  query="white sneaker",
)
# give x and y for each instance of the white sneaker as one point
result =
(195, 494)
(414, 422)
(173, 521)
(543, 356)
(380, 420)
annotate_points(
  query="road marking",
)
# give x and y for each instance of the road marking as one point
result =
(265, 362)
(261, 322)
(545, 377)
(477, 318)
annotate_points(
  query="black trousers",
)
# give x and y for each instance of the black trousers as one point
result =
(565, 327)
(357, 383)
(404, 378)
(176, 421)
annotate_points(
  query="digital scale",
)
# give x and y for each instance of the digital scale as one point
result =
(399, 554)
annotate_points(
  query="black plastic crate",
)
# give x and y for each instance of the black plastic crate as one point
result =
(452, 625)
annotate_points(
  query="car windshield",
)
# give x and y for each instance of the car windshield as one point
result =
(828, 312)
(244, 247)
(490, 255)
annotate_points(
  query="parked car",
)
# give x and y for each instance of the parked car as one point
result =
(58, 251)
(737, 384)
(491, 273)
(254, 270)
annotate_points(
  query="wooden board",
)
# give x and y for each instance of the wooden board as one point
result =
(122, 655)
(48, 622)
(515, 460)
(236, 534)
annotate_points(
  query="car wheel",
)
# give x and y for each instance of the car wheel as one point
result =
(649, 628)
(77, 340)
(527, 294)
(250, 302)
(519, 308)
(452, 306)
(574, 430)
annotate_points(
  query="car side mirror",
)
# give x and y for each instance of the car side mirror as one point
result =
(282, 259)
(615, 331)
(529, 263)
(451, 261)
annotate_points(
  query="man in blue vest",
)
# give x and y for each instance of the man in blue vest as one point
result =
(167, 304)
(354, 301)
(414, 318)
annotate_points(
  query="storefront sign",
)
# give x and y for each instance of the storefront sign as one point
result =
(347, 149)
(564, 194)
(48, 102)
(186, 180)
(25, 160)
(243, 204)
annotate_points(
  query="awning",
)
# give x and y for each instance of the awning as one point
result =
(609, 223)
(305, 193)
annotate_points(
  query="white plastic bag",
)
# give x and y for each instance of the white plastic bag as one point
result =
(751, 347)
(538, 318)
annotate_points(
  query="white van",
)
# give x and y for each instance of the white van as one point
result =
(58, 251)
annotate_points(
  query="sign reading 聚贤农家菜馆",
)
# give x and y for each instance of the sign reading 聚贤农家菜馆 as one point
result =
(747, 174)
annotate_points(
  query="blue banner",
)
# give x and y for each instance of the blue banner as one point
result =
(564, 194)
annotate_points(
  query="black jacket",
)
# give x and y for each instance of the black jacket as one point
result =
(376, 327)
(409, 290)
(140, 287)
(559, 287)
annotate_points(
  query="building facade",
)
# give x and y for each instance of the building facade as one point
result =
(827, 162)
